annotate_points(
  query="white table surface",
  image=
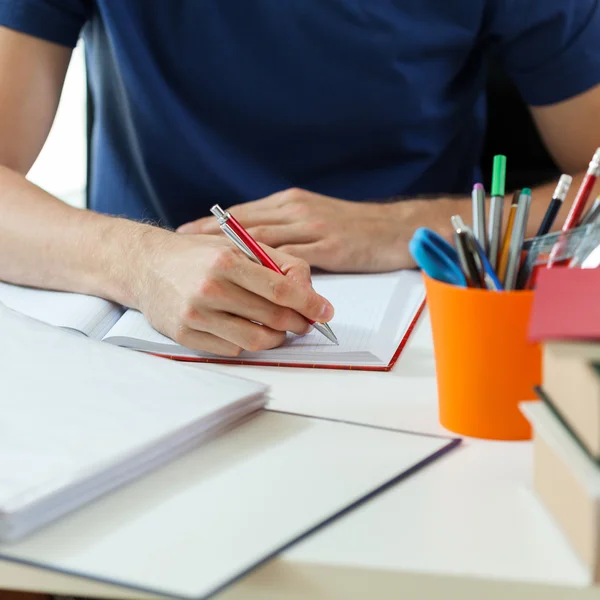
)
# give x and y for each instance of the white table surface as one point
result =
(468, 524)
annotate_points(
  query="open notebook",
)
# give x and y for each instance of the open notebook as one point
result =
(87, 418)
(374, 314)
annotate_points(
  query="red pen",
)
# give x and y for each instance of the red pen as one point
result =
(577, 209)
(248, 245)
(576, 212)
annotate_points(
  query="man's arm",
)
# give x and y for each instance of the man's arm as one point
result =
(571, 132)
(44, 242)
(349, 236)
(201, 292)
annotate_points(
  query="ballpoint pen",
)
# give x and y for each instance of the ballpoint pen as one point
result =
(469, 266)
(517, 238)
(496, 208)
(503, 262)
(478, 197)
(244, 242)
(473, 255)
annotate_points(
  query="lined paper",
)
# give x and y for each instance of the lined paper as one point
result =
(372, 315)
(372, 312)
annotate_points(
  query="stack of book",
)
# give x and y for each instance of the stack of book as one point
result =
(566, 421)
(79, 419)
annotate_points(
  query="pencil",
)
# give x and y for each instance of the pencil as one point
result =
(507, 237)
(560, 193)
(517, 238)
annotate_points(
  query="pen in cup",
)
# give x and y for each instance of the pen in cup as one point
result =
(503, 262)
(496, 208)
(242, 240)
(517, 239)
(583, 194)
(474, 256)
(478, 197)
(466, 260)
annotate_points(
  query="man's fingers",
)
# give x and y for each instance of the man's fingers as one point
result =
(226, 297)
(279, 235)
(210, 226)
(206, 342)
(240, 332)
(298, 270)
(316, 254)
(266, 211)
(284, 290)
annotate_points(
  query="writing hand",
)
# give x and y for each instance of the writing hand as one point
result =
(206, 295)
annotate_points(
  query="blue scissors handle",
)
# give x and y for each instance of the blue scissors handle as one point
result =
(436, 257)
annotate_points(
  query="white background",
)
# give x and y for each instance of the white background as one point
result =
(61, 167)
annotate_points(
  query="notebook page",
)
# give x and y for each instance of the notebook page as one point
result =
(363, 305)
(87, 314)
(91, 405)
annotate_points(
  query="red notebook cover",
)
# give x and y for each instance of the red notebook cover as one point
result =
(235, 361)
(566, 305)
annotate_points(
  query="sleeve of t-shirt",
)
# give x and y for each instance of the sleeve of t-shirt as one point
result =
(58, 21)
(550, 48)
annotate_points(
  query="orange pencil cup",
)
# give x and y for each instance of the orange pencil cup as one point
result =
(484, 364)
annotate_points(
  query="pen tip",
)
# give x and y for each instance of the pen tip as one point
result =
(327, 332)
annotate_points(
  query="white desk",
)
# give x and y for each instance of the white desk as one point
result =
(466, 526)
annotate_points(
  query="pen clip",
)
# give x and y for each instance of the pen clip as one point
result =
(222, 218)
(485, 276)
(466, 260)
(235, 238)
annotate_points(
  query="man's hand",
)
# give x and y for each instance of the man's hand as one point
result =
(335, 235)
(206, 295)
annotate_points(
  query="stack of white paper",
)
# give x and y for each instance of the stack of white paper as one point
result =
(79, 418)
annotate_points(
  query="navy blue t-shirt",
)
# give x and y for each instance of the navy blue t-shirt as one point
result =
(204, 101)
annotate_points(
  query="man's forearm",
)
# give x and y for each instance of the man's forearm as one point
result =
(46, 243)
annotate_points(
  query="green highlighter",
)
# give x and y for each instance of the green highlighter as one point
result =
(496, 208)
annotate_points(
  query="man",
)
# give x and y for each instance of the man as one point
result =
(298, 112)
